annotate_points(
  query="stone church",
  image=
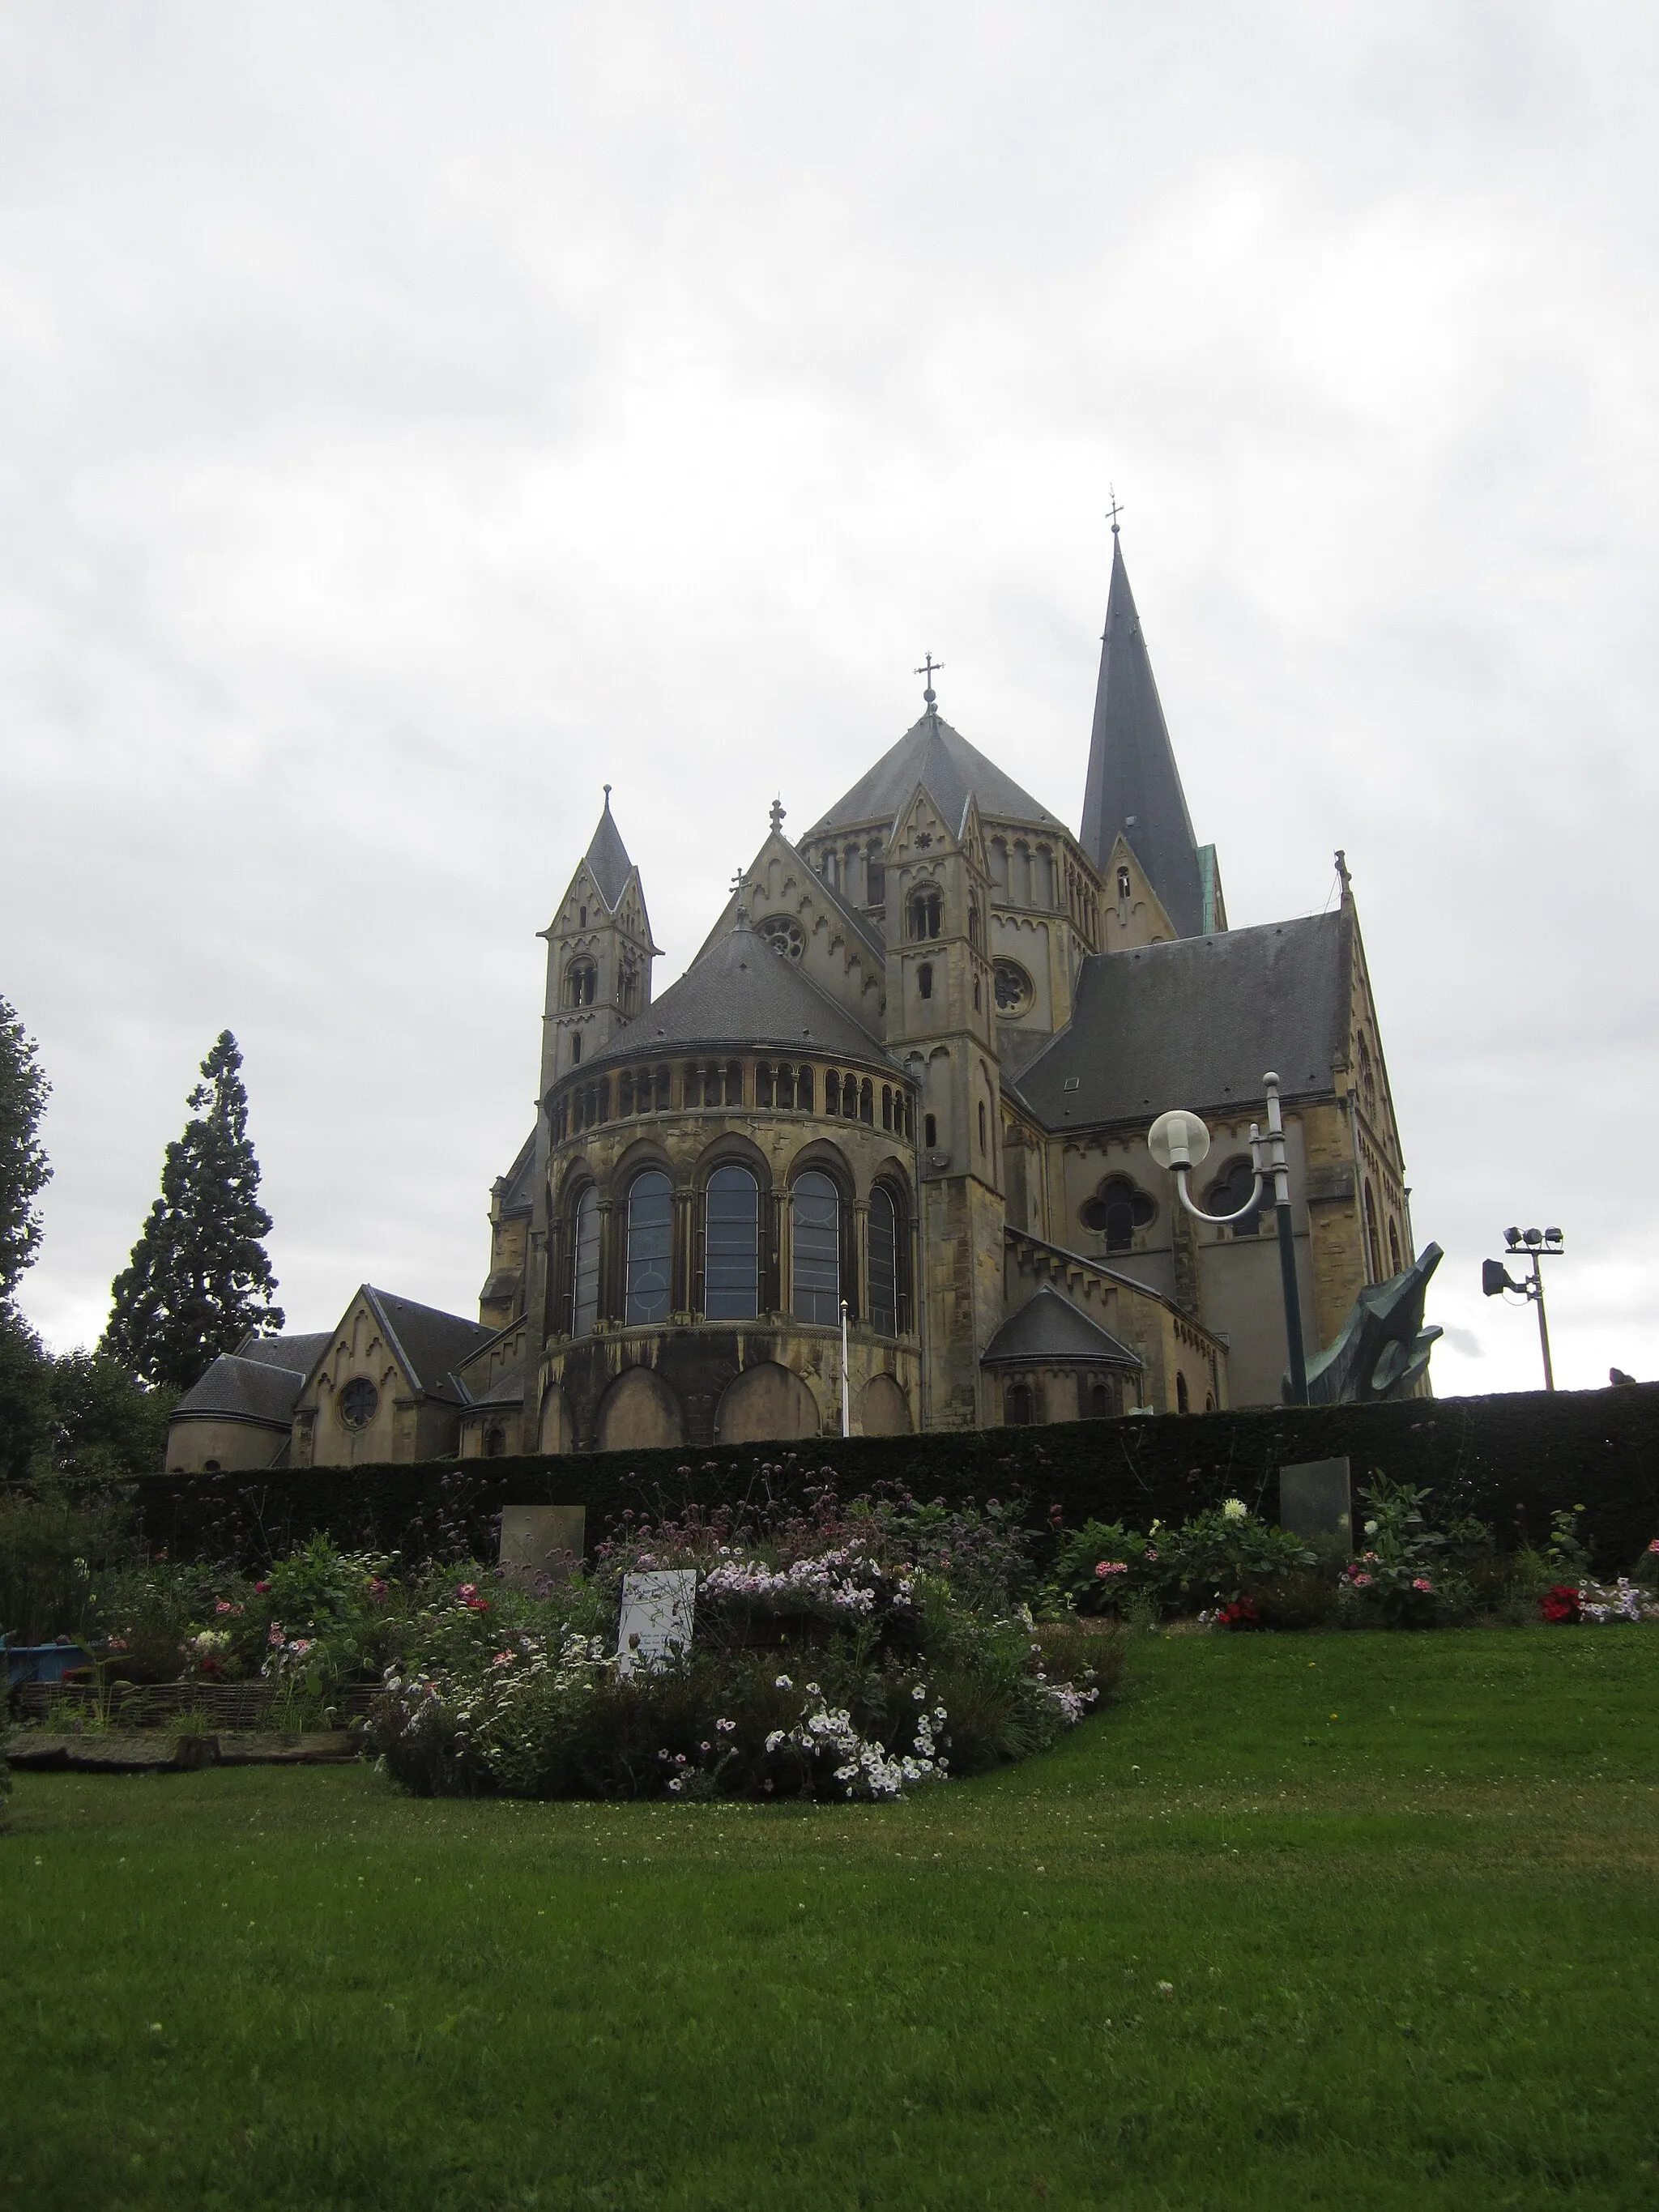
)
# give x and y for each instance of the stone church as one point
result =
(911, 1072)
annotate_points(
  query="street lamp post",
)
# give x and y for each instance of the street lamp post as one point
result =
(1534, 1245)
(1179, 1142)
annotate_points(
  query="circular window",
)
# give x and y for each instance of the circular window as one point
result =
(358, 1402)
(785, 937)
(1014, 991)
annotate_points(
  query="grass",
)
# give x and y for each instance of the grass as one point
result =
(1400, 1889)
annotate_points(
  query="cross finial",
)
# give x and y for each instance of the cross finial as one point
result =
(740, 886)
(778, 810)
(607, 798)
(1343, 876)
(1115, 509)
(930, 669)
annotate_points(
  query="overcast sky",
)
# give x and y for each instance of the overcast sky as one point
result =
(413, 417)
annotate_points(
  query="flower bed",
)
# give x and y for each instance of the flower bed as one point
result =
(835, 1654)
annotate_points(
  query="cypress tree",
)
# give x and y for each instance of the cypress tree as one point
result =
(24, 1170)
(199, 1279)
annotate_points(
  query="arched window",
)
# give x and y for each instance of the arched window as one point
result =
(925, 911)
(584, 1270)
(1117, 1209)
(731, 1252)
(1367, 1081)
(925, 980)
(930, 1130)
(1396, 1263)
(818, 1248)
(975, 928)
(1105, 1399)
(1183, 1405)
(1019, 1405)
(1229, 1192)
(580, 983)
(494, 1441)
(650, 1242)
(1123, 882)
(1373, 1243)
(983, 1139)
(884, 1262)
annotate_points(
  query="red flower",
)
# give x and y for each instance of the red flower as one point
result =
(1241, 1614)
(1559, 1602)
(261, 1589)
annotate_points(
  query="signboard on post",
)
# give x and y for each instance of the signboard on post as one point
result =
(656, 1616)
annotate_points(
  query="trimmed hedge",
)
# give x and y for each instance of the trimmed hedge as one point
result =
(1511, 1461)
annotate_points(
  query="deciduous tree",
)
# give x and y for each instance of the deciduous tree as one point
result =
(24, 1169)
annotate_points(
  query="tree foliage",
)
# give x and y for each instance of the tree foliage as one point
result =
(199, 1280)
(24, 1169)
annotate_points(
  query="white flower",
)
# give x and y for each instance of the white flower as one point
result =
(919, 1694)
(1235, 1509)
(775, 1740)
(783, 1682)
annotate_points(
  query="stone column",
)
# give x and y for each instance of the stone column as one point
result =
(856, 1292)
(682, 1270)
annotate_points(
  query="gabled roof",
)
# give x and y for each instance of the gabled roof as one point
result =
(238, 1389)
(431, 1345)
(607, 858)
(1197, 1024)
(1050, 1327)
(1134, 786)
(739, 993)
(931, 752)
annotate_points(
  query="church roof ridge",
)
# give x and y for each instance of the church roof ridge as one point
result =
(1133, 784)
(934, 753)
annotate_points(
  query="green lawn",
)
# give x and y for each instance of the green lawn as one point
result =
(1345, 1920)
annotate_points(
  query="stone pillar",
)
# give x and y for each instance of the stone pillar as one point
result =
(613, 1219)
(856, 1292)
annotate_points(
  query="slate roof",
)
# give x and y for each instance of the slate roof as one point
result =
(1133, 783)
(607, 858)
(518, 1184)
(238, 1389)
(931, 753)
(430, 1344)
(1197, 1023)
(1050, 1327)
(739, 995)
(507, 1389)
(300, 1352)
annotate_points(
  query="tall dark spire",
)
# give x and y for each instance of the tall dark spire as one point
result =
(607, 857)
(1134, 786)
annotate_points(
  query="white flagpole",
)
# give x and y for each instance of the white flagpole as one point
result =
(845, 1406)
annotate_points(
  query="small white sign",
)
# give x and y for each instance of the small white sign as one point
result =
(656, 1616)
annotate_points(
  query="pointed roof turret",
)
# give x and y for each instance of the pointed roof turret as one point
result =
(607, 858)
(1134, 786)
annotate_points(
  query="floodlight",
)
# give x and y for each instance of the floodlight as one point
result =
(1535, 1236)
(1511, 1237)
(1552, 1236)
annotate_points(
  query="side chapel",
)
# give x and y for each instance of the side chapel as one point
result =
(912, 1067)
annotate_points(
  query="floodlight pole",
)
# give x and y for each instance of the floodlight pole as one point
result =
(845, 1399)
(1535, 1292)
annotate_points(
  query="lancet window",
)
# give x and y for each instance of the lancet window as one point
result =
(650, 1240)
(817, 1290)
(732, 1245)
(585, 1264)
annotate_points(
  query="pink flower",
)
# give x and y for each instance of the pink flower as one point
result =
(1360, 1580)
(1112, 1567)
(261, 1589)
(274, 1634)
(1151, 1550)
(300, 1646)
(1654, 1546)
(502, 1659)
(1421, 1583)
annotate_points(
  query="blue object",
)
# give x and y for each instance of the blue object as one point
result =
(43, 1662)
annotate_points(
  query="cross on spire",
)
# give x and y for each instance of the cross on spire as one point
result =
(930, 669)
(740, 886)
(1115, 509)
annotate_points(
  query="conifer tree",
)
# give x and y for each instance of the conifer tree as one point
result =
(199, 1279)
(24, 1169)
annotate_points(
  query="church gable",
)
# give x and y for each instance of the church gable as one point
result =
(801, 918)
(1134, 913)
(922, 832)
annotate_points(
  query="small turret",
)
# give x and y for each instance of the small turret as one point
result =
(599, 952)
